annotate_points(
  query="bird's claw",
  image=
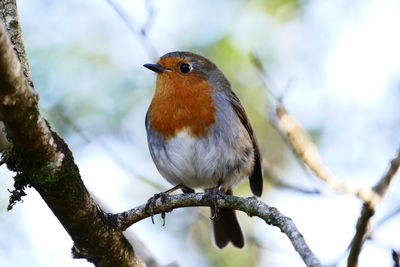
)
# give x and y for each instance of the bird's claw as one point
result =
(152, 202)
(214, 193)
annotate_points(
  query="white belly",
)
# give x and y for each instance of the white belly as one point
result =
(206, 162)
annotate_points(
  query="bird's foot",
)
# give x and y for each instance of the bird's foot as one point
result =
(163, 196)
(152, 202)
(214, 193)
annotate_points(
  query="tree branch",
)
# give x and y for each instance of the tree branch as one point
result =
(302, 146)
(41, 159)
(368, 210)
(305, 149)
(18, 109)
(9, 15)
(251, 206)
(307, 152)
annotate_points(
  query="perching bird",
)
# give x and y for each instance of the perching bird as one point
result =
(199, 135)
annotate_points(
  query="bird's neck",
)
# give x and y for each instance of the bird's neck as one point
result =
(182, 104)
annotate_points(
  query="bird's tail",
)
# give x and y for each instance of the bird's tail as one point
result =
(226, 228)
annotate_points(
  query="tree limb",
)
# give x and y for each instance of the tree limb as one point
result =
(9, 15)
(251, 206)
(302, 146)
(305, 149)
(307, 152)
(368, 210)
(18, 109)
(41, 159)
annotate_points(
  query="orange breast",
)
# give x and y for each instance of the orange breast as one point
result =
(182, 102)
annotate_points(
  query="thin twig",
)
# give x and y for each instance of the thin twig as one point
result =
(368, 211)
(273, 177)
(139, 32)
(305, 149)
(301, 144)
(307, 152)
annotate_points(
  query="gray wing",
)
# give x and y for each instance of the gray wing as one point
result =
(256, 177)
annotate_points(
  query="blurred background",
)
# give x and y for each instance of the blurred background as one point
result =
(335, 64)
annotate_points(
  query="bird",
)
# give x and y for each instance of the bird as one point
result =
(199, 135)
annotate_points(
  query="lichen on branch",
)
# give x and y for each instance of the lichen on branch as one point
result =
(251, 206)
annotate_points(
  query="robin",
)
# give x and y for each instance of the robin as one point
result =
(199, 135)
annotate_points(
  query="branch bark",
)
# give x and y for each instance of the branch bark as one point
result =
(18, 109)
(251, 206)
(9, 15)
(41, 159)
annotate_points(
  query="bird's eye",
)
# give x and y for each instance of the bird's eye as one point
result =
(185, 68)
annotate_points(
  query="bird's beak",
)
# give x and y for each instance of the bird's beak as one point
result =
(155, 67)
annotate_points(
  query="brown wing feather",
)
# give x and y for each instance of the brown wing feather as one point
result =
(256, 177)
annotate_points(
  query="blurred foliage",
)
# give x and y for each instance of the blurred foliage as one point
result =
(90, 90)
(284, 10)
